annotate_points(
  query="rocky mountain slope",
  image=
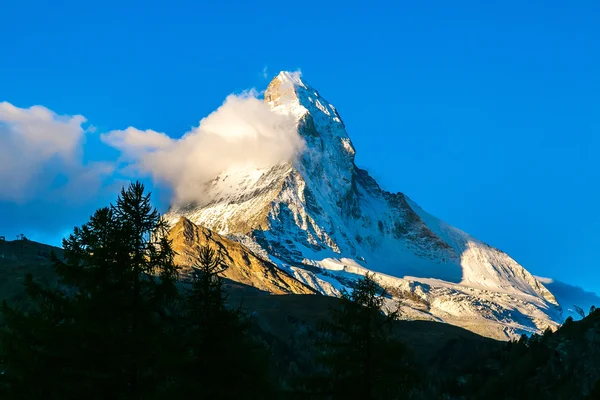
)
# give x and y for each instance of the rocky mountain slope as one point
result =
(324, 221)
(243, 266)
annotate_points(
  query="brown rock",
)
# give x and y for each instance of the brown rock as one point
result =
(243, 265)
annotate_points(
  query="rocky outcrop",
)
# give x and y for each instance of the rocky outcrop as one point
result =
(243, 266)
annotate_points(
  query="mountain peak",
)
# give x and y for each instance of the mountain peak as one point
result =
(318, 120)
(328, 158)
(282, 89)
(295, 78)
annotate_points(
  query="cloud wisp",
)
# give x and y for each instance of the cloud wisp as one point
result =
(242, 133)
(46, 184)
(49, 185)
(41, 154)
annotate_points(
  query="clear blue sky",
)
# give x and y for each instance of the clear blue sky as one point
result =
(485, 113)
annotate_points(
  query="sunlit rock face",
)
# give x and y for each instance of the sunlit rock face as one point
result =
(242, 265)
(326, 222)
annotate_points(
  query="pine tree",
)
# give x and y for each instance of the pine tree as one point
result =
(358, 354)
(99, 332)
(222, 359)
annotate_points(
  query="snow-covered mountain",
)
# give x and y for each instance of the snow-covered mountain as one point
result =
(574, 301)
(325, 222)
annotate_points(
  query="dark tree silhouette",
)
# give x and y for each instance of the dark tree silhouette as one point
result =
(99, 332)
(222, 359)
(358, 354)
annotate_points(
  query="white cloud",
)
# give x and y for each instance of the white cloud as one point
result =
(265, 73)
(242, 133)
(41, 152)
(132, 142)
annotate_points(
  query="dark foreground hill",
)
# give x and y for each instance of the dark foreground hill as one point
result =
(19, 257)
(454, 363)
(287, 324)
(283, 318)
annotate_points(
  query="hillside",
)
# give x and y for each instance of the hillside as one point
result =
(561, 365)
(287, 322)
(20, 257)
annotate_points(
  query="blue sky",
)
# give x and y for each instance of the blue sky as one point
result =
(487, 115)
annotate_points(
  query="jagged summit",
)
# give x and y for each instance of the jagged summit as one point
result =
(288, 93)
(329, 155)
(282, 88)
(326, 222)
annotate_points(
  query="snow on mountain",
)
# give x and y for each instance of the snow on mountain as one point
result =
(575, 301)
(326, 222)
